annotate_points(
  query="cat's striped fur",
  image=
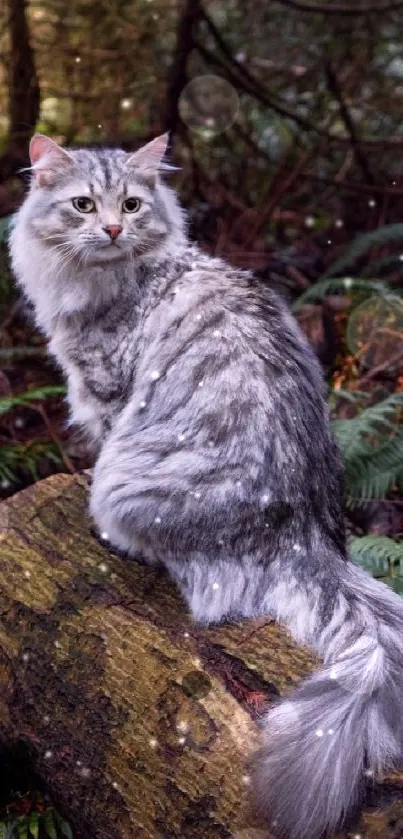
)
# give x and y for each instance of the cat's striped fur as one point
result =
(215, 459)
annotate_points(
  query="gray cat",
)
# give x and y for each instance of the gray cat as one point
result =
(207, 409)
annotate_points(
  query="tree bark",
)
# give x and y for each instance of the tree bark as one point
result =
(139, 723)
(24, 91)
(190, 15)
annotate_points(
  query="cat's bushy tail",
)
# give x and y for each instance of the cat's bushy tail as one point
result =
(346, 721)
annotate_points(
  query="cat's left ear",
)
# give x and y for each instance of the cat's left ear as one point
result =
(48, 159)
(149, 159)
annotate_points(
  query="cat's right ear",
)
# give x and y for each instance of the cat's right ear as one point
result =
(48, 160)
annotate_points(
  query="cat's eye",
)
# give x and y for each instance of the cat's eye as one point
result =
(131, 205)
(84, 204)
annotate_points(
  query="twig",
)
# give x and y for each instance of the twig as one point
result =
(381, 367)
(241, 78)
(341, 9)
(65, 458)
(285, 184)
(335, 89)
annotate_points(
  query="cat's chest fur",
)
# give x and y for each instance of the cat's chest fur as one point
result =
(98, 355)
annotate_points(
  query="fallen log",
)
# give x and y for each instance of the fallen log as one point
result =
(138, 723)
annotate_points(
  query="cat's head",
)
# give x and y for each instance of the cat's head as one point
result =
(98, 206)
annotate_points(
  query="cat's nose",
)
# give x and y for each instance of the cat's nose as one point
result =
(113, 231)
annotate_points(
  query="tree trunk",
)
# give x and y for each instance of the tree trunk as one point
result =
(189, 17)
(138, 722)
(24, 92)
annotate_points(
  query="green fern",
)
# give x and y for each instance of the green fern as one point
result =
(36, 825)
(347, 284)
(372, 448)
(381, 557)
(7, 403)
(362, 245)
(17, 457)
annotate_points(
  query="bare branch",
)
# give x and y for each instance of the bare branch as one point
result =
(341, 9)
(335, 89)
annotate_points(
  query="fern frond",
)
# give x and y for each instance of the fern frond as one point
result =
(374, 475)
(328, 285)
(15, 457)
(356, 436)
(363, 244)
(380, 556)
(7, 403)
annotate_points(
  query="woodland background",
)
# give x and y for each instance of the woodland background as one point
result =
(286, 120)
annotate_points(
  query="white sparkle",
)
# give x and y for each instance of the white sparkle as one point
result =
(369, 773)
(357, 836)
(393, 183)
(126, 104)
(153, 743)
(201, 383)
(27, 573)
(220, 541)
(157, 520)
(339, 223)
(183, 726)
(371, 202)
(309, 221)
(198, 317)
(19, 422)
(329, 241)
(265, 499)
(114, 784)
(210, 444)
(186, 635)
(99, 125)
(143, 403)
(46, 719)
(217, 333)
(105, 536)
(246, 779)
(297, 547)
(103, 567)
(5, 484)
(57, 644)
(332, 674)
(197, 662)
(181, 437)
(48, 754)
(348, 282)
(78, 762)
(193, 266)
(85, 772)
(25, 657)
(155, 375)
(319, 732)
(77, 59)
(197, 494)
(215, 586)
(181, 740)
(401, 257)
(330, 731)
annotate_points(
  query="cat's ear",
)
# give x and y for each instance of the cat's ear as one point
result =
(150, 157)
(48, 160)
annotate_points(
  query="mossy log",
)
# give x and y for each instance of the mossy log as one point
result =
(139, 723)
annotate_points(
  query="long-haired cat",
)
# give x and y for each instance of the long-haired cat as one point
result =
(215, 457)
